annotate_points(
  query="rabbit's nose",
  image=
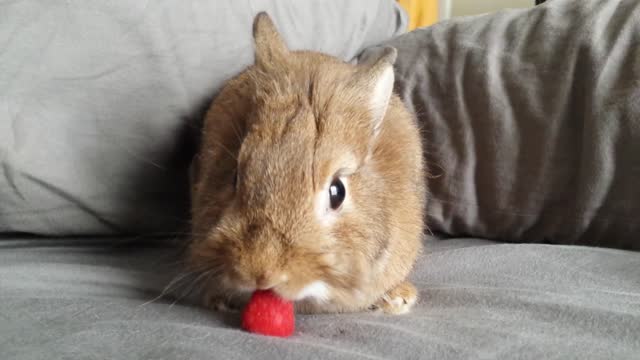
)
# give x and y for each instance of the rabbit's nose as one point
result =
(266, 280)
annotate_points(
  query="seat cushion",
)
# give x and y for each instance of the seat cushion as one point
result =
(478, 299)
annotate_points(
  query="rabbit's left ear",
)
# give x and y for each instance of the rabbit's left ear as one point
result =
(375, 81)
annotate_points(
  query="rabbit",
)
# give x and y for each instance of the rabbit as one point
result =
(309, 181)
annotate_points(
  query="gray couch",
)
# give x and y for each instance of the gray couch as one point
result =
(90, 299)
(532, 131)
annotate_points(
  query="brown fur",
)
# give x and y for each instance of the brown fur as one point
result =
(287, 125)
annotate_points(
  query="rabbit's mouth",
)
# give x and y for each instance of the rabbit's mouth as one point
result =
(316, 290)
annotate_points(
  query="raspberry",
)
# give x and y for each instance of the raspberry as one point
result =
(268, 314)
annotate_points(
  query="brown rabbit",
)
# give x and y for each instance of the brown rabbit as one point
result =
(309, 181)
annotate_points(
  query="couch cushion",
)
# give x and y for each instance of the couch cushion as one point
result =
(97, 97)
(531, 121)
(479, 299)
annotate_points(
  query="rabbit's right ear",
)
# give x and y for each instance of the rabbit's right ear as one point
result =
(270, 48)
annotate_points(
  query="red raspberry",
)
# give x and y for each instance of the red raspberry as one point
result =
(268, 314)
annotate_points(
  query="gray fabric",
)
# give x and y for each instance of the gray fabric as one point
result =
(480, 300)
(531, 121)
(96, 98)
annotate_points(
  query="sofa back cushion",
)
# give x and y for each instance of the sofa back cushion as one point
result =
(97, 99)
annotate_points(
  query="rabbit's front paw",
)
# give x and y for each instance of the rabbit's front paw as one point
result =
(398, 300)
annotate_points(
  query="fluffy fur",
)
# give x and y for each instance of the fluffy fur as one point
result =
(274, 139)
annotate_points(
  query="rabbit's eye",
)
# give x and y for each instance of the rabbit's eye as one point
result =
(235, 179)
(337, 193)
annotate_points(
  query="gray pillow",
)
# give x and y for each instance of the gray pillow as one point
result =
(96, 99)
(531, 121)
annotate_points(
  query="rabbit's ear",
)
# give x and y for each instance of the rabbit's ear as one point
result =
(375, 82)
(270, 48)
